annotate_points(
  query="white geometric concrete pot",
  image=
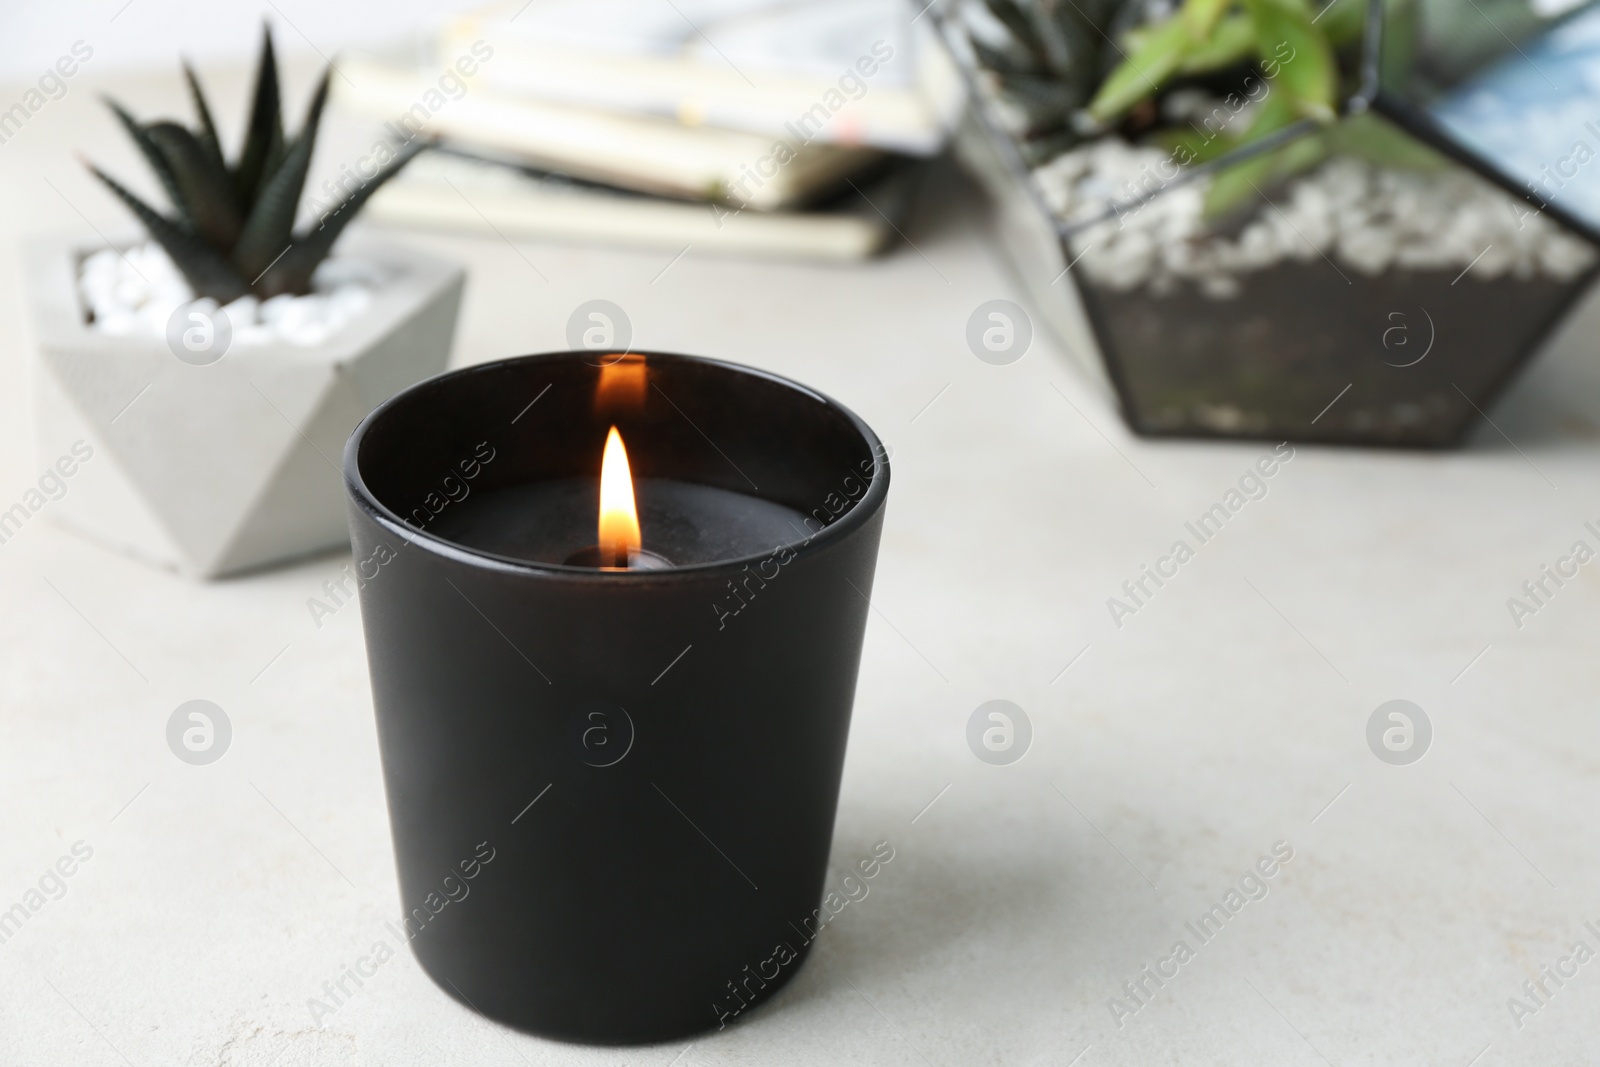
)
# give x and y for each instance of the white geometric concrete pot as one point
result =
(212, 468)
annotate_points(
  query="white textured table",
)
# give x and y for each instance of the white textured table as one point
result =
(1227, 715)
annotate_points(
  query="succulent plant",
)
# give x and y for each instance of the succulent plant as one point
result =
(1112, 61)
(231, 231)
(1294, 40)
(1048, 65)
(1298, 45)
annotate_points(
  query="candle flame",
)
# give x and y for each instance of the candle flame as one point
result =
(619, 518)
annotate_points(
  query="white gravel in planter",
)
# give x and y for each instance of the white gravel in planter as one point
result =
(1362, 217)
(133, 294)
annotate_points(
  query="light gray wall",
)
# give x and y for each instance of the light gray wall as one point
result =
(153, 33)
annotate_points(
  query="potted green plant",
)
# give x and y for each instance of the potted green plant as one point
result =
(1262, 238)
(215, 368)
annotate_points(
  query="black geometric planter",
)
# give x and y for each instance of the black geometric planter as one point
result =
(1377, 281)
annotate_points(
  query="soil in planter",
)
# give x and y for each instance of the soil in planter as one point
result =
(1412, 346)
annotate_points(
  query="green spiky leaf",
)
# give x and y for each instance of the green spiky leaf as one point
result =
(205, 191)
(1200, 17)
(1157, 54)
(1196, 145)
(1232, 41)
(153, 156)
(263, 143)
(292, 273)
(269, 228)
(208, 129)
(1241, 183)
(1296, 55)
(205, 269)
(1343, 21)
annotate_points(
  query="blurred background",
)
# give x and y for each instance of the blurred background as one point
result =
(132, 36)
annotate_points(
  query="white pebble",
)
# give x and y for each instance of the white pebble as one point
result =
(1366, 217)
(134, 292)
(1370, 249)
(242, 313)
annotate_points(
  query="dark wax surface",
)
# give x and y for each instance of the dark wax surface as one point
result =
(547, 522)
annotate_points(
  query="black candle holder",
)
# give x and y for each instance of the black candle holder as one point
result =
(650, 758)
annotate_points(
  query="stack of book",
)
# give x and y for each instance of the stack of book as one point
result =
(781, 127)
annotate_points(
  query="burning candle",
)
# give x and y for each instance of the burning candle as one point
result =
(616, 643)
(553, 520)
(619, 544)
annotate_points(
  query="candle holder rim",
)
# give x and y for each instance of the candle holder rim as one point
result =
(861, 512)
